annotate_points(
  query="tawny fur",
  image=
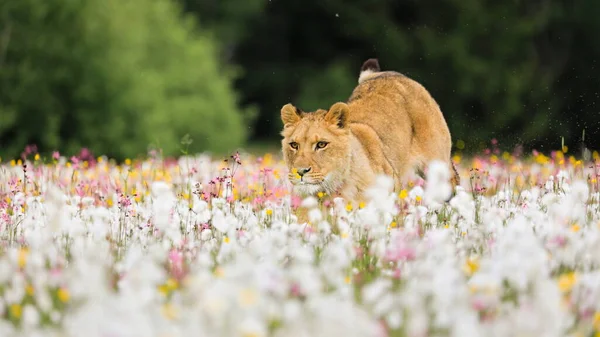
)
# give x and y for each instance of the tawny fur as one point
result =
(390, 125)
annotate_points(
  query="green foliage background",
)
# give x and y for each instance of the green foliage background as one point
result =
(115, 76)
(118, 76)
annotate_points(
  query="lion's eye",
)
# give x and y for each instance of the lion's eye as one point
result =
(321, 145)
(294, 145)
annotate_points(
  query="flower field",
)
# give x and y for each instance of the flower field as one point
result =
(199, 246)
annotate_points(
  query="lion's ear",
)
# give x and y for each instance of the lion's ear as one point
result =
(290, 114)
(338, 114)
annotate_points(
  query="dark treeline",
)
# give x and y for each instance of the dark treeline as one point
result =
(523, 72)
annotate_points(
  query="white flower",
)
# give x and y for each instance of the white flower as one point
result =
(314, 215)
(437, 188)
(309, 202)
(375, 290)
(252, 326)
(219, 221)
(31, 317)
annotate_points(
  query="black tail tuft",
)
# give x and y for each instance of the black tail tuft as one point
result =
(371, 64)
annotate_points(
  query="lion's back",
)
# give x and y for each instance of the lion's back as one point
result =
(403, 114)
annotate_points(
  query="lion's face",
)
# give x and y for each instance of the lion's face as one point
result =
(316, 147)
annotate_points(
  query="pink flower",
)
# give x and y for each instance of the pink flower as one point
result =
(176, 269)
(478, 305)
(295, 290)
(358, 251)
(236, 158)
(309, 230)
(80, 190)
(559, 241)
(383, 329)
(296, 201)
(124, 201)
(401, 253)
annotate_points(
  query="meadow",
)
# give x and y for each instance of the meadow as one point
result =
(208, 246)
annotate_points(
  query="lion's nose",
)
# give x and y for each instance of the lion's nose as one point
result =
(303, 171)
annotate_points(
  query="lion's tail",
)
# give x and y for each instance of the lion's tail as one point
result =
(370, 67)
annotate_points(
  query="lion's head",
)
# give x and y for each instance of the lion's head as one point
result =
(316, 147)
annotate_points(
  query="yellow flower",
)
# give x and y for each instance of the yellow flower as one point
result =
(361, 204)
(269, 212)
(170, 311)
(127, 161)
(22, 258)
(63, 295)
(596, 321)
(567, 281)
(29, 290)
(163, 289)
(13, 163)
(16, 310)
(36, 157)
(248, 297)
(344, 235)
(320, 195)
(267, 159)
(171, 283)
(541, 159)
(471, 266)
(394, 224)
(226, 239)
(456, 158)
(349, 207)
(403, 194)
(575, 228)
(347, 279)
(295, 173)
(418, 198)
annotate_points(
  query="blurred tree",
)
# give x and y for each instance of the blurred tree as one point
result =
(113, 76)
(228, 19)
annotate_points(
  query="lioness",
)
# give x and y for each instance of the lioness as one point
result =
(390, 125)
